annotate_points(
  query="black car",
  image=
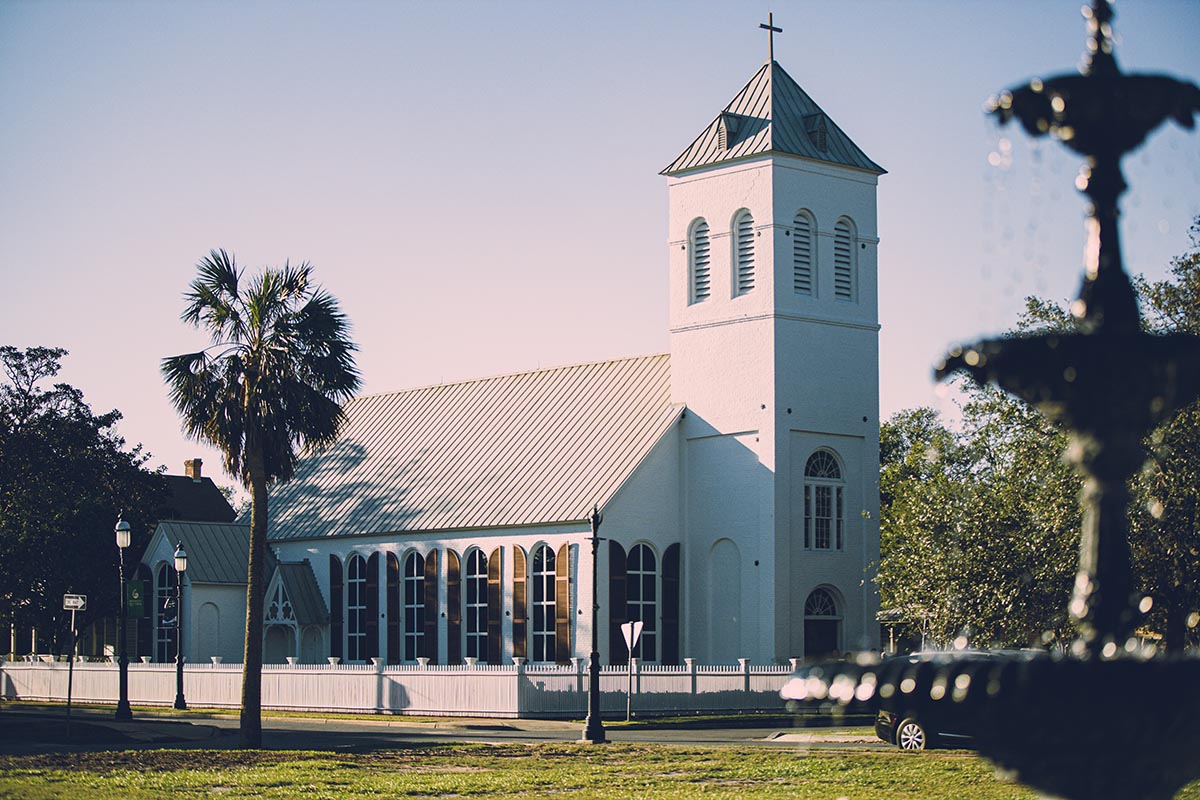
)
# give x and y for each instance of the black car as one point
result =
(927, 700)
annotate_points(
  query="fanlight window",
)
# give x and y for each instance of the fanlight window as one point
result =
(543, 604)
(356, 608)
(743, 253)
(802, 254)
(414, 606)
(476, 605)
(843, 261)
(698, 266)
(820, 604)
(824, 512)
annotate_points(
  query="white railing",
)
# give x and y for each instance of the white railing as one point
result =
(512, 690)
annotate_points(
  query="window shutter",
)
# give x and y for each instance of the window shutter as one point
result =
(453, 608)
(494, 602)
(520, 641)
(562, 605)
(372, 622)
(843, 253)
(395, 616)
(744, 256)
(670, 605)
(336, 607)
(700, 276)
(617, 651)
(802, 252)
(430, 639)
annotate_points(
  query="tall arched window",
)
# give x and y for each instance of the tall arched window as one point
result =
(356, 608)
(824, 513)
(641, 603)
(802, 254)
(743, 252)
(543, 604)
(699, 280)
(164, 609)
(414, 606)
(843, 260)
(476, 605)
(822, 624)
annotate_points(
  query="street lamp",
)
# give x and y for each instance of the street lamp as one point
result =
(180, 568)
(593, 729)
(124, 535)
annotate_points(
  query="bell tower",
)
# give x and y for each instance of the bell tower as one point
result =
(774, 352)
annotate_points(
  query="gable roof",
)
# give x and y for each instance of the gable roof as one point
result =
(216, 551)
(195, 500)
(531, 448)
(300, 584)
(772, 114)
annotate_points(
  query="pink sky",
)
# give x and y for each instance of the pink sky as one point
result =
(478, 183)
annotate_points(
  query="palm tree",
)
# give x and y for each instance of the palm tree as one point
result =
(268, 388)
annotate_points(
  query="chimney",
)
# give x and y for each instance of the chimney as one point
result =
(191, 468)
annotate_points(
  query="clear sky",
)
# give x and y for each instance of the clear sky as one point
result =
(478, 182)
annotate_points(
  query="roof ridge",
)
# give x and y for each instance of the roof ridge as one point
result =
(502, 375)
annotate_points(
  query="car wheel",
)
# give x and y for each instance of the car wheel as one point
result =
(911, 735)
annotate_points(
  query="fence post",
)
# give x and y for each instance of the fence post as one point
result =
(744, 663)
(794, 663)
(690, 665)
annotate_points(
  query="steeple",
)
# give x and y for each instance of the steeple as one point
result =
(772, 114)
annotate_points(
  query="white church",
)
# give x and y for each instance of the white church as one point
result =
(737, 475)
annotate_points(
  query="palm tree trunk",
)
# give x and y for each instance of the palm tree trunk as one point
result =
(251, 717)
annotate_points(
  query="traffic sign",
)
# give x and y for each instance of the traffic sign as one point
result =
(74, 602)
(631, 631)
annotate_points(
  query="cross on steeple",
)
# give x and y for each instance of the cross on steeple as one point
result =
(769, 26)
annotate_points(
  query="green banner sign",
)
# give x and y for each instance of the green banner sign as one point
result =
(135, 599)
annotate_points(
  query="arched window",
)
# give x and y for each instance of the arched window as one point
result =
(356, 608)
(743, 252)
(843, 260)
(700, 284)
(164, 606)
(802, 254)
(414, 606)
(641, 603)
(824, 513)
(543, 604)
(476, 605)
(822, 624)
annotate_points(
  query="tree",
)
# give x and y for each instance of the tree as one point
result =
(268, 388)
(64, 476)
(980, 527)
(1165, 516)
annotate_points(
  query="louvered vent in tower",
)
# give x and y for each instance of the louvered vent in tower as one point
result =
(743, 234)
(802, 254)
(699, 271)
(843, 255)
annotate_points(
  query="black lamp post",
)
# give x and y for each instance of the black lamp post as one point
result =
(180, 568)
(593, 729)
(124, 534)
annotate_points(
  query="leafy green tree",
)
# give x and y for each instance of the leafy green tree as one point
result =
(1165, 517)
(64, 476)
(268, 388)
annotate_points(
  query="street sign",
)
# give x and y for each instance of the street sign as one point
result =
(74, 602)
(631, 631)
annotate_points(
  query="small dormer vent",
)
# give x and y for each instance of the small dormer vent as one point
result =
(727, 128)
(818, 131)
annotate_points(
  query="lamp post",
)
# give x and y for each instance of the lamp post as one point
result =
(180, 568)
(124, 535)
(593, 729)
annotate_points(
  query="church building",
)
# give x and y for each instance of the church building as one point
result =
(737, 475)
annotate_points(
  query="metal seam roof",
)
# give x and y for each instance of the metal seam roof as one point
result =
(771, 111)
(217, 551)
(529, 448)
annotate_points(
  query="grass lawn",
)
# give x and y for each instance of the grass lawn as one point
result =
(483, 771)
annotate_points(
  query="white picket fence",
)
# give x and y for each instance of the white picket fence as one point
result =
(515, 690)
